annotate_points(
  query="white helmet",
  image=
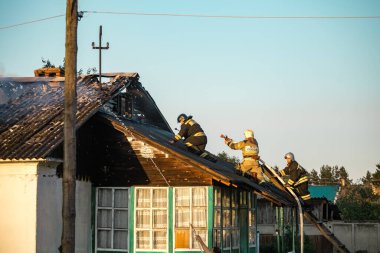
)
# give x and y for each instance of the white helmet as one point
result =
(289, 155)
(248, 134)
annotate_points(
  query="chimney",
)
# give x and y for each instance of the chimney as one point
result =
(49, 72)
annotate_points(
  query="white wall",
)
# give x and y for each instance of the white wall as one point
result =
(18, 192)
(49, 214)
(31, 209)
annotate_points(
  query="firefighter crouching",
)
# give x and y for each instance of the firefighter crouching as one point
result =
(194, 137)
(250, 149)
(297, 178)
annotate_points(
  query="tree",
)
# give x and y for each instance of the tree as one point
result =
(359, 203)
(376, 174)
(47, 64)
(314, 178)
(231, 159)
(367, 178)
(327, 175)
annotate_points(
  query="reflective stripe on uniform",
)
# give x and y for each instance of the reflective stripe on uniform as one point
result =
(306, 197)
(177, 137)
(282, 172)
(291, 182)
(200, 134)
(301, 180)
(188, 144)
(190, 122)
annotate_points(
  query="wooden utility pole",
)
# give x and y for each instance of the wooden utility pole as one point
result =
(69, 163)
(100, 52)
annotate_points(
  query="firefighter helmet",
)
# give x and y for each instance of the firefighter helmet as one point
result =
(289, 155)
(181, 116)
(248, 134)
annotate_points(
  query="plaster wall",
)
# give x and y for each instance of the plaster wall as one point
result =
(49, 214)
(18, 199)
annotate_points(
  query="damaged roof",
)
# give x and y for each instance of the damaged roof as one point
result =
(221, 171)
(31, 111)
(32, 118)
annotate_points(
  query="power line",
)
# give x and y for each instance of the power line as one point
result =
(33, 21)
(197, 16)
(230, 16)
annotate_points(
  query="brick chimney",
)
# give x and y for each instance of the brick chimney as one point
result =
(49, 72)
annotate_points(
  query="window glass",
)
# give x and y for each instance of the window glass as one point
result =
(151, 218)
(112, 218)
(190, 208)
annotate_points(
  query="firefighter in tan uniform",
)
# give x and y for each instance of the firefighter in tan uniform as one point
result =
(250, 150)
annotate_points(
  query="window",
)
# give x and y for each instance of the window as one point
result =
(226, 223)
(251, 219)
(151, 218)
(112, 218)
(190, 208)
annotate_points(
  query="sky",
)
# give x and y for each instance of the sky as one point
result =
(309, 86)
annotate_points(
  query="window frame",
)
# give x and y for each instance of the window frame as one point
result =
(251, 207)
(190, 218)
(151, 209)
(228, 207)
(113, 211)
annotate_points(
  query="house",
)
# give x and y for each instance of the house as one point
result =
(135, 192)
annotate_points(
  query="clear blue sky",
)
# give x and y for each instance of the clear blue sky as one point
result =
(310, 86)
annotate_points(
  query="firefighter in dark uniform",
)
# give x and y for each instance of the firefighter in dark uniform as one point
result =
(250, 149)
(297, 178)
(194, 137)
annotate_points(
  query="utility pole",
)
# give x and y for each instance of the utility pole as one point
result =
(100, 52)
(69, 162)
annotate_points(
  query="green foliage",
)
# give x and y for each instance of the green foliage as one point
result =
(47, 63)
(376, 175)
(359, 203)
(314, 178)
(228, 158)
(367, 178)
(330, 175)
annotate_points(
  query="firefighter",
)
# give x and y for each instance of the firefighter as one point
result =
(194, 137)
(250, 149)
(297, 178)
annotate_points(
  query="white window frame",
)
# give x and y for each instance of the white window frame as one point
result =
(113, 210)
(151, 219)
(191, 217)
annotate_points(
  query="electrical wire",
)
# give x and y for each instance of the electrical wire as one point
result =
(230, 16)
(197, 16)
(29, 22)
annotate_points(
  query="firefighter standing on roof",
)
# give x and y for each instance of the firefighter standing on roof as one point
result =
(297, 178)
(191, 131)
(250, 149)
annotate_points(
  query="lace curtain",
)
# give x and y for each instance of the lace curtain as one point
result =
(191, 208)
(151, 205)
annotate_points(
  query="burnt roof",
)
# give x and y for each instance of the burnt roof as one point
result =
(221, 170)
(32, 118)
(31, 111)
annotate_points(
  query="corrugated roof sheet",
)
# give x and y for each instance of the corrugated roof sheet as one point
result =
(32, 111)
(324, 191)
